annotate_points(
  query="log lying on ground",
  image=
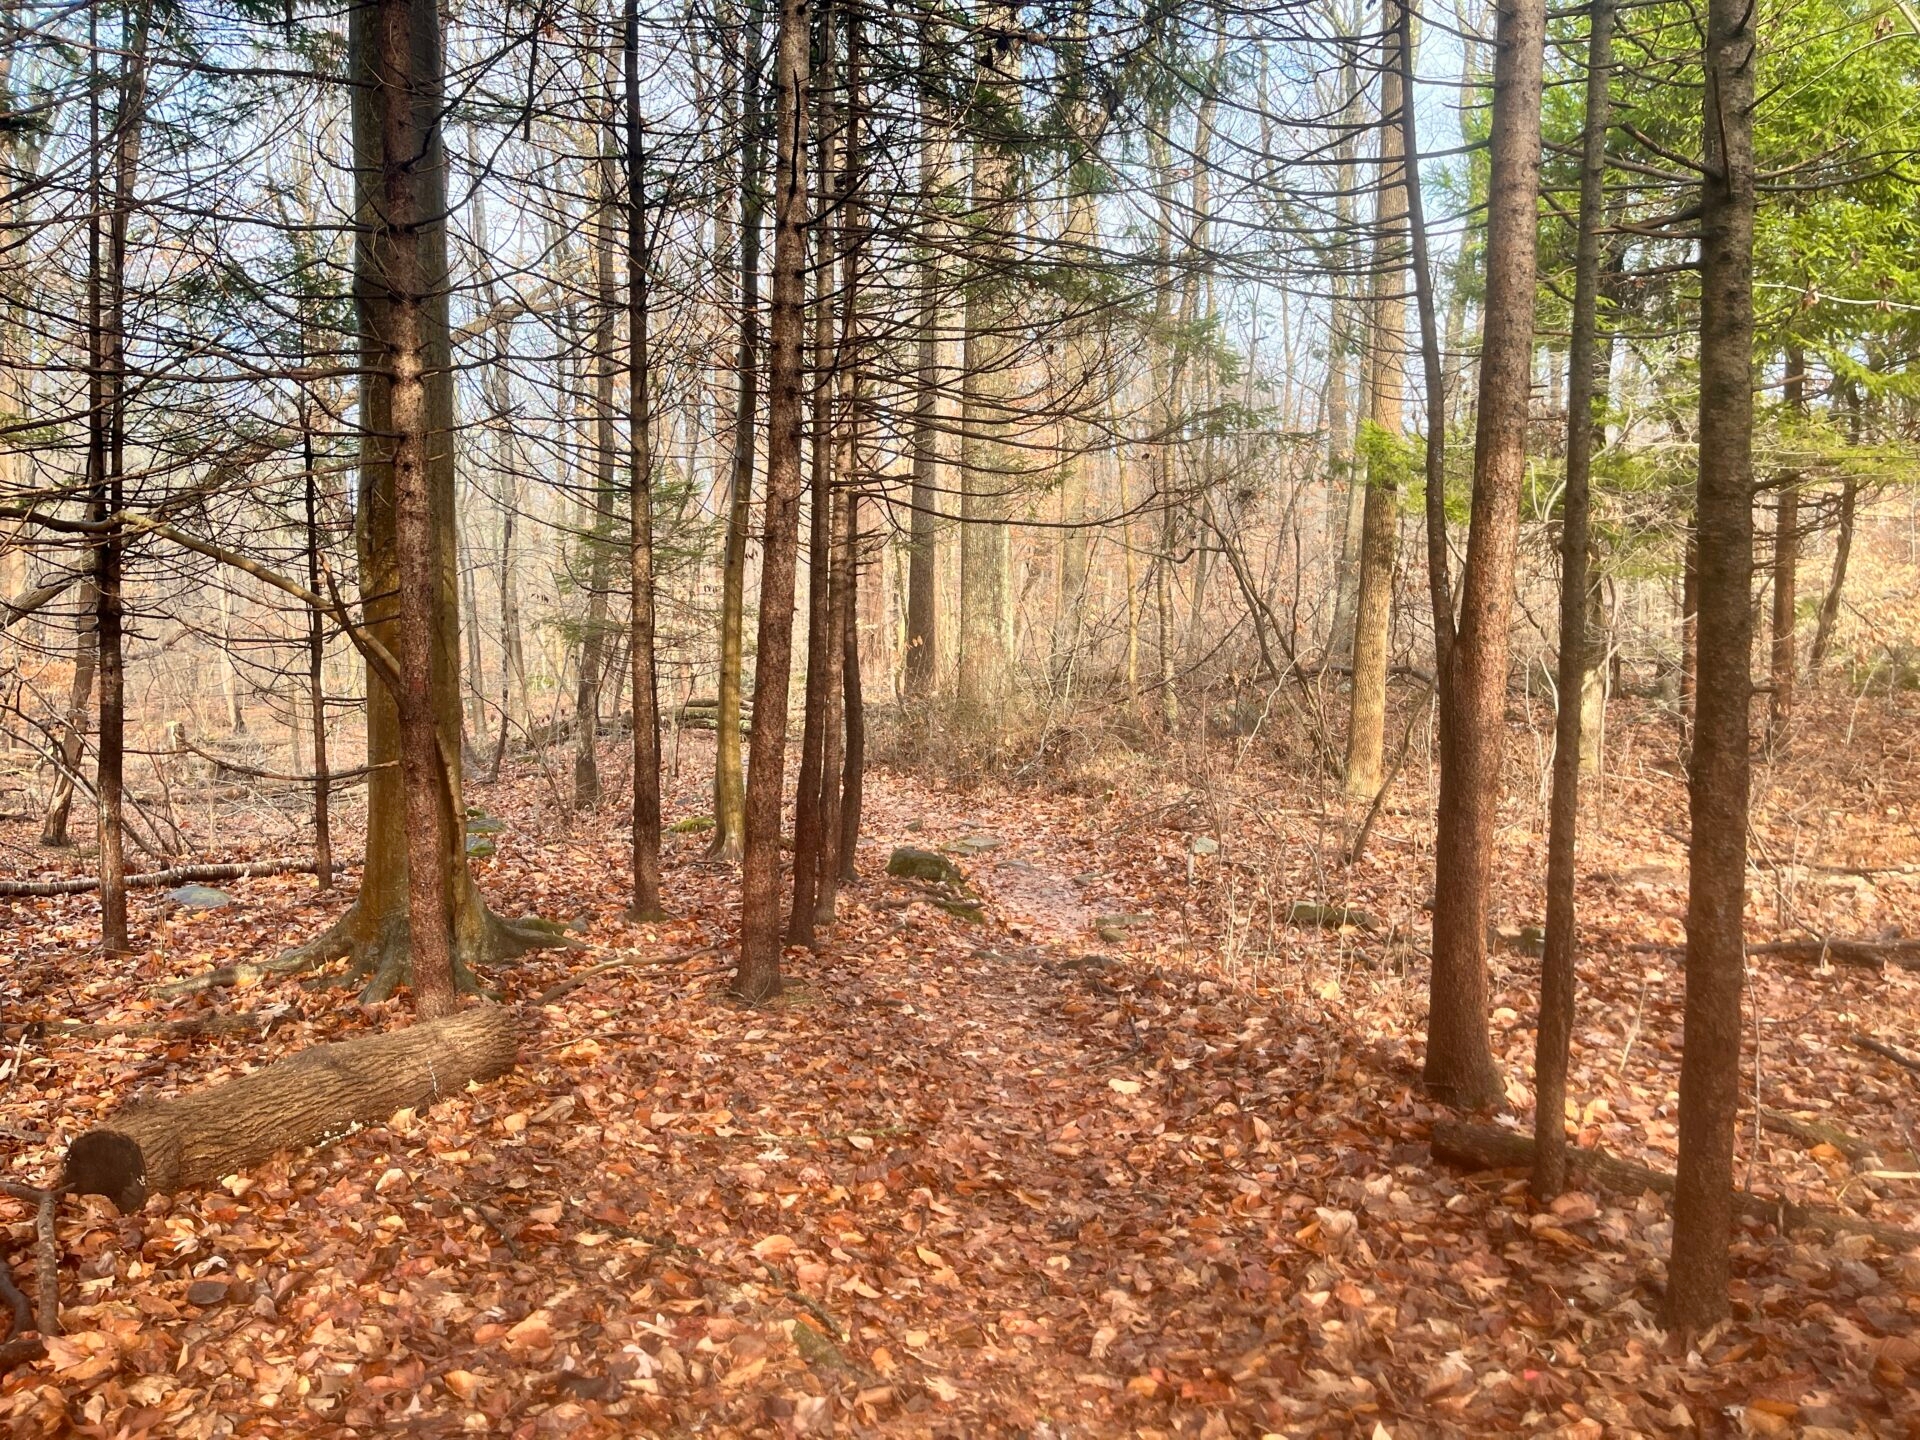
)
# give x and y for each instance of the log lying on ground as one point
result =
(1488, 1147)
(176, 875)
(1866, 954)
(321, 1094)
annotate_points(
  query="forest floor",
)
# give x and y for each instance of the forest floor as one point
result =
(1133, 1157)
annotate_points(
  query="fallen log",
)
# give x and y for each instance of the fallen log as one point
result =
(159, 1147)
(1834, 950)
(175, 875)
(1488, 1147)
(185, 1027)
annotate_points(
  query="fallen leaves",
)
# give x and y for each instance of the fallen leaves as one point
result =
(975, 1181)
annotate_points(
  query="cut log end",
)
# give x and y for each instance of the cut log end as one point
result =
(105, 1162)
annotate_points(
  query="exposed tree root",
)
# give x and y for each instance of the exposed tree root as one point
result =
(382, 963)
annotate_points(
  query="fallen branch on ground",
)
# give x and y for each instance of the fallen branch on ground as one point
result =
(619, 962)
(19, 1349)
(1858, 1152)
(186, 1027)
(320, 1094)
(1880, 1047)
(1830, 949)
(174, 875)
(1866, 954)
(1488, 1147)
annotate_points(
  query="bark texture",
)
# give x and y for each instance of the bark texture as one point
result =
(758, 974)
(161, 1147)
(1554, 1036)
(1386, 417)
(1459, 1063)
(1698, 1273)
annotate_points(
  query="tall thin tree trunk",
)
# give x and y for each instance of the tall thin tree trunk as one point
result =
(853, 774)
(640, 614)
(1786, 565)
(923, 620)
(316, 664)
(476, 687)
(758, 975)
(1555, 1031)
(593, 641)
(73, 732)
(1459, 1063)
(844, 786)
(1830, 603)
(821, 714)
(729, 815)
(1700, 1267)
(1386, 418)
(1342, 466)
(988, 464)
(110, 785)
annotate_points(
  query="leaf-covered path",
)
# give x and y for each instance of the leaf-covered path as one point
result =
(960, 1179)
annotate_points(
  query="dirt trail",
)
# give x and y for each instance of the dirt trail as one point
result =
(960, 1180)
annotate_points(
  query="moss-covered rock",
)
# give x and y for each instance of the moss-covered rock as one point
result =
(908, 863)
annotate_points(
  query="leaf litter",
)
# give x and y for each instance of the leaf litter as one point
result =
(1037, 1177)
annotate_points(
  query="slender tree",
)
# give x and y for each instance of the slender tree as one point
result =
(1459, 1064)
(640, 616)
(1386, 383)
(729, 816)
(1698, 1273)
(1555, 1031)
(1786, 564)
(758, 974)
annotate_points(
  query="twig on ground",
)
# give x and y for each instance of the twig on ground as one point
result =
(1880, 1047)
(574, 982)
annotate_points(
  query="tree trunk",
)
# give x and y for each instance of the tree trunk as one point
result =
(1698, 1273)
(821, 712)
(1830, 604)
(73, 732)
(109, 628)
(407, 346)
(640, 613)
(1557, 966)
(988, 464)
(1786, 564)
(840, 779)
(161, 1147)
(593, 640)
(729, 816)
(1167, 352)
(399, 338)
(923, 653)
(758, 975)
(1342, 456)
(316, 665)
(1380, 520)
(1689, 631)
(1459, 1063)
(476, 691)
(853, 702)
